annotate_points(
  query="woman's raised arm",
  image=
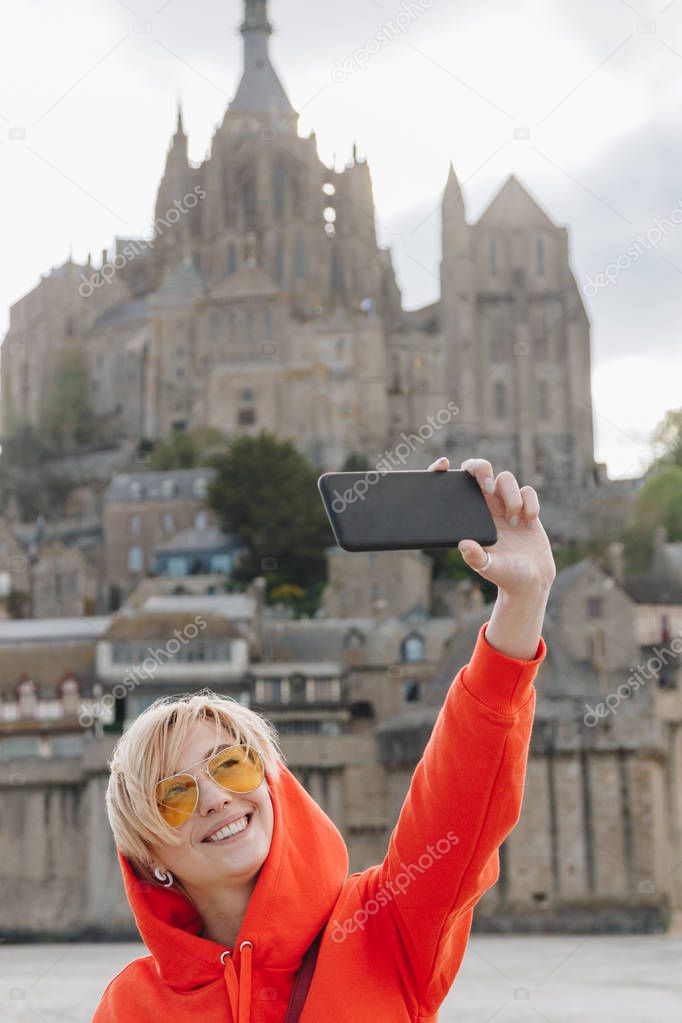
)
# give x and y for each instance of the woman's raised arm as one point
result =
(466, 792)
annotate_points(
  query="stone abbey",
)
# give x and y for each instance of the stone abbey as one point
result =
(261, 299)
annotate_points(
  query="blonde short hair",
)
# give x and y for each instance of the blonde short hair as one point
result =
(148, 750)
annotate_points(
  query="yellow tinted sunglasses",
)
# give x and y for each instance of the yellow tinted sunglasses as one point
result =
(235, 769)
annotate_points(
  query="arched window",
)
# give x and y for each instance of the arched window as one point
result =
(231, 262)
(279, 185)
(300, 266)
(414, 648)
(540, 255)
(249, 199)
(494, 257)
(500, 400)
(279, 263)
(353, 639)
(215, 326)
(337, 272)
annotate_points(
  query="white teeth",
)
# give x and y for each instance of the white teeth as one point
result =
(230, 829)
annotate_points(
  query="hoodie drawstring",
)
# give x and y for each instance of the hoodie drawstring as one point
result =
(239, 989)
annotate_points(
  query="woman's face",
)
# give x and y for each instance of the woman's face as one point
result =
(200, 863)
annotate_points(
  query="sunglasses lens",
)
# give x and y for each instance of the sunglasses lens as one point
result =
(237, 769)
(176, 799)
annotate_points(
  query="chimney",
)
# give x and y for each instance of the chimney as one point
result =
(617, 561)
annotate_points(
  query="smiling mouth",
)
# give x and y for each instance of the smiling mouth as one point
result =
(230, 832)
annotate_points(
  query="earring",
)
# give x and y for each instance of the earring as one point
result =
(164, 876)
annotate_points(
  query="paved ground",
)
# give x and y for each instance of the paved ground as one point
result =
(506, 979)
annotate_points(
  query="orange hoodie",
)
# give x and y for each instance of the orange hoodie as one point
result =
(396, 933)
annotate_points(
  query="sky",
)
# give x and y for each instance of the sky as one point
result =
(581, 101)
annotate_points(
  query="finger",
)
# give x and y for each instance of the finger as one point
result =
(531, 505)
(441, 463)
(474, 555)
(508, 489)
(482, 470)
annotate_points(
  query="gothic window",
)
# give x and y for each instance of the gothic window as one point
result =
(249, 200)
(542, 348)
(267, 315)
(500, 401)
(540, 255)
(297, 197)
(215, 326)
(231, 262)
(279, 263)
(279, 187)
(494, 257)
(300, 260)
(337, 272)
(497, 349)
(414, 648)
(543, 399)
(249, 323)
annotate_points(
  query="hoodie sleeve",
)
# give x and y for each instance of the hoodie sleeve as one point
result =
(464, 799)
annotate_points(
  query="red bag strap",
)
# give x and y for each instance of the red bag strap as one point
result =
(302, 980)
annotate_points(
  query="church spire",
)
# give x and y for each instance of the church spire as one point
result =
(256, 17)
(453, 200)
(260, 91)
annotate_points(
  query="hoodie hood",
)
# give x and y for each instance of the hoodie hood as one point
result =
(295, 892)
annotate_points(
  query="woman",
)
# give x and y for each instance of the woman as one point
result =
(232, 870)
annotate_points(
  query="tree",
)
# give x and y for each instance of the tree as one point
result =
(265, 492)
(657, 503)
(356, 462)
(68, 421)
(26, 477)
(186, 450)
(667, 437)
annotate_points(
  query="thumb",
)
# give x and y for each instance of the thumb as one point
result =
(473, 554)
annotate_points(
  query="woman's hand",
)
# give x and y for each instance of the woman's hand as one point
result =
(522, 561)
(521, 566)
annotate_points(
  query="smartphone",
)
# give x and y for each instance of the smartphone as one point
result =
(405, 509)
